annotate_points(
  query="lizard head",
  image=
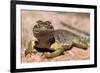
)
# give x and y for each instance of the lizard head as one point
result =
(43, 28)
(44, 33)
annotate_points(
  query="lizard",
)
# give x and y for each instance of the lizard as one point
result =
(53, 42)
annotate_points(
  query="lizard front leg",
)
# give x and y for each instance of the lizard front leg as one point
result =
(57, 52)
(30, 49)
(59, 49)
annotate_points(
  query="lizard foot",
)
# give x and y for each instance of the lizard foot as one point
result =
(30, 52)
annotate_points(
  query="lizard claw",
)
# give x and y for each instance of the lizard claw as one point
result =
(30, 52)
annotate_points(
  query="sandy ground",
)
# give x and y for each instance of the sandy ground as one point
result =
(79, 21)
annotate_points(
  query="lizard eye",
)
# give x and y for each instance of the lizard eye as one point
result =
(36, 42)
(48, 22)
(36, 26)
(51, 27)
(39, 22)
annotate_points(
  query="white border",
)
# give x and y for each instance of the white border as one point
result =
(20, 65)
